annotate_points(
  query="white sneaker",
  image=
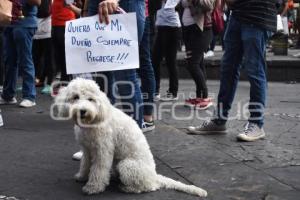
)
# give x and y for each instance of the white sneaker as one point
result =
(251, 133)
(9, 102)
(169, 97)
(297, 55)
(77, 156)
(209, 54)
(1, 120)
(157, 97)
(27, 103)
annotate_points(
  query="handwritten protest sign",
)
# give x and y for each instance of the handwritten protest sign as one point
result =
(171, 3)
(93, 47)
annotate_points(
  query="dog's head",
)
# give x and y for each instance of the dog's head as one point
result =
(84, 102)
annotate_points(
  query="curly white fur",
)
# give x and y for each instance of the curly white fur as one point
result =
(106, 136)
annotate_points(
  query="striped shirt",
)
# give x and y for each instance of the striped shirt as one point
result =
(261, 13)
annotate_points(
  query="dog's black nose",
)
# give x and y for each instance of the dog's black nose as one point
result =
(82, 112)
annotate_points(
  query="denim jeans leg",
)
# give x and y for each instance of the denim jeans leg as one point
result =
(146, 71)
(230, 69)
(254, 46)
(137, 6)
(10, 62)
(130, 94)
(23, 38)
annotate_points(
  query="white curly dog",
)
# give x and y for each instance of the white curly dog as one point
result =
(111, 141)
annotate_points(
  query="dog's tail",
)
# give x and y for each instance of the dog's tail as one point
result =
(169, 183)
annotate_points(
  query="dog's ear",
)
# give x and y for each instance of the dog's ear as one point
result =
(61, 107)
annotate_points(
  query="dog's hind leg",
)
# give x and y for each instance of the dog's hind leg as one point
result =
(136, 177)
(84, 169)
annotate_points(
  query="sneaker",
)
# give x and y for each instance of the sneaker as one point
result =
(46, 90)
(77, 156)
(209, 54)
(199, 103)
(157, 97)
(251, 133)
(8, 102)
(297, 55)
(1, 119)
(204, 104)
(148, 126)
(168, 97)
(26, 103)
(207, 127)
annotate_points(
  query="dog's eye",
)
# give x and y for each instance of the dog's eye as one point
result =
(91, 99)
(75, 98)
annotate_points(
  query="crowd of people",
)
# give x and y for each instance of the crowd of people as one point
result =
(36, 38)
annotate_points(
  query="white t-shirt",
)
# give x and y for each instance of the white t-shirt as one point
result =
(167, 17)
(44, 28)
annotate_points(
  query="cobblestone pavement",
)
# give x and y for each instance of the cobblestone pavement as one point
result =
(35, 159)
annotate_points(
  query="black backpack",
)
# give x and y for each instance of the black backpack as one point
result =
(44, 10)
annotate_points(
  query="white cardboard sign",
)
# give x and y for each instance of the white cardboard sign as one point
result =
(171, 3)
(93, 47)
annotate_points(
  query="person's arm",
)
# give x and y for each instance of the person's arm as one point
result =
(106, 8)
(75, 9)
(84, 12)
(285, 9)
(34, 2)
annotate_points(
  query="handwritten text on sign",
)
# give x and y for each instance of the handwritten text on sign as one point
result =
(171, 3)
(92, 46)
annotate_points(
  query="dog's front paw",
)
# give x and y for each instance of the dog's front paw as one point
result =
(80, 178)
(93, 189)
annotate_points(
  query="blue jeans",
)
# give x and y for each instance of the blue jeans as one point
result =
(146, 71)
(245, 46)
(130, 95)
(17, 45)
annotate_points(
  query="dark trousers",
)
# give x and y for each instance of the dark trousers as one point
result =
(58, 38)
(1, 59)
(165, 45)
(196, 43)
(42, 59)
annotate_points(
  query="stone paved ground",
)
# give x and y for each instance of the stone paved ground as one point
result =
(35, 159)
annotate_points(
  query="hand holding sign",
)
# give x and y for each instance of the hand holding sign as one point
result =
(106, 8)
(171, 3)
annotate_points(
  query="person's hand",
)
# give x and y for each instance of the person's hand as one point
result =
(106, 8)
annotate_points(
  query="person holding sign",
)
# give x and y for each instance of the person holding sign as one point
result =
(132, 105)
(197, 32)
(17, 43)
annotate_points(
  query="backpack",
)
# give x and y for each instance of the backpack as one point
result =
(44, 10)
